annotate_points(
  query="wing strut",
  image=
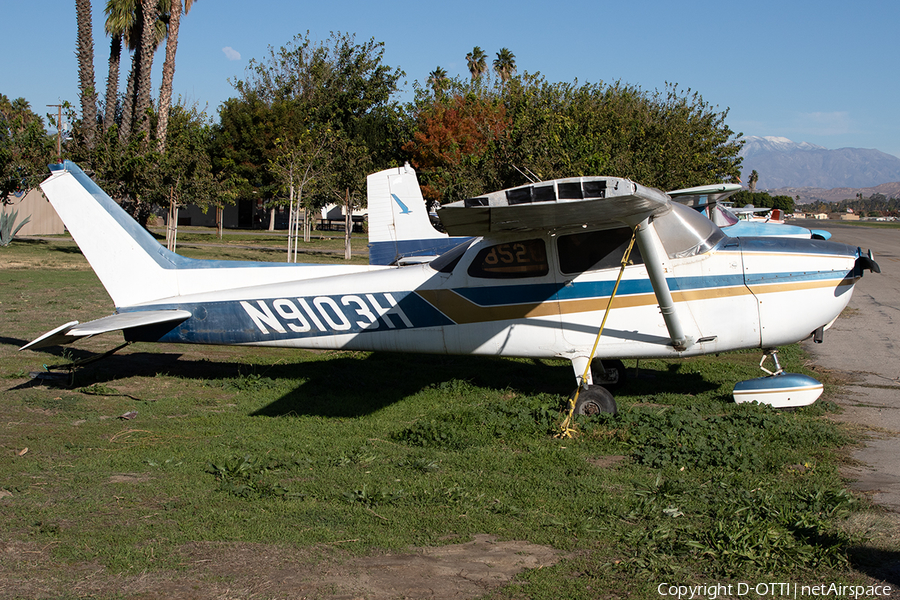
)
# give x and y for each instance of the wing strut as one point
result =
(653, 260)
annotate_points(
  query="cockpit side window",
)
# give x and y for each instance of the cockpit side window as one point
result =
(722, 217)
(594, 250)
(511, 260)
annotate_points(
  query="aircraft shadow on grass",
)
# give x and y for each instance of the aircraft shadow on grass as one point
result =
(55, 248)
(356, 384)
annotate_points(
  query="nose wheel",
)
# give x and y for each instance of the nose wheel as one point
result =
(778, 388)
(773, 353)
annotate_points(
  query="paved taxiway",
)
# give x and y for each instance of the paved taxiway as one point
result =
(864, 346)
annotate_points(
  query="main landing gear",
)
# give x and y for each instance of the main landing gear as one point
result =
(593, 400)
(609, 373)
(595, 397)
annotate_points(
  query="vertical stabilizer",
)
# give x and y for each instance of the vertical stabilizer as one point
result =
(133, 267)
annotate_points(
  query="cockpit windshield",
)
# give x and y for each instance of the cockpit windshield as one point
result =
(685, 232)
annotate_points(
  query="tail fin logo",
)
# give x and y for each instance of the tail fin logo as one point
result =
(404, 210)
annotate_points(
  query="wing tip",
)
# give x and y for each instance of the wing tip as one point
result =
(53, 337)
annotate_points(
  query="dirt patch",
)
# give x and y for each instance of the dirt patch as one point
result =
(448, 572)
(218, 570)
(607, 462)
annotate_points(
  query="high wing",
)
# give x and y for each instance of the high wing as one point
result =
(709, 199)
(750, 210)
(559, 204)
(74, 330)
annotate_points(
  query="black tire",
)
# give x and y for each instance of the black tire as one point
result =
(593, 401)
(609, 373)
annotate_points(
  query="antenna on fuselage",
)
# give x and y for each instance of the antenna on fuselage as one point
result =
(531, 177)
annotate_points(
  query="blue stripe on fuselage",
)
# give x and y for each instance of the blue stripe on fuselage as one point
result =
(531, 294)
(268, 319)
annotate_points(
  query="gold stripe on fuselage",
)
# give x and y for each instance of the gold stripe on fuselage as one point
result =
(463, 311)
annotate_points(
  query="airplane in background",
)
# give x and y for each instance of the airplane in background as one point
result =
(741, 222)
(537, 272)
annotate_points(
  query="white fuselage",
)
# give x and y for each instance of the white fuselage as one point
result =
(740, 294)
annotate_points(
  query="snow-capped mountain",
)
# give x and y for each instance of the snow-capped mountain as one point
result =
(757, 145)
(781, 162)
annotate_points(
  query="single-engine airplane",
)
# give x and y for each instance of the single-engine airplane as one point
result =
(534, 280)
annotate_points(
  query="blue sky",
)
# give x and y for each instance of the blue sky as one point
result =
(823, 72)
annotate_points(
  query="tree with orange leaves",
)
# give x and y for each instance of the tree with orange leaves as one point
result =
(456, 145)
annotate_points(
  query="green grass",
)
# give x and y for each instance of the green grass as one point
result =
(873, 224)
(324, 247)
(380, 452)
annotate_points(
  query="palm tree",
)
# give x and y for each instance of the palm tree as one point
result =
(437, 78)
(754, 177)
(149, 10)
(477, 61)
(141, 61)
(505, 64)
(119, 26)
(168, 74)
(86, 70)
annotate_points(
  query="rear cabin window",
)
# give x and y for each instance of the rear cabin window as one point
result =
(594, 250)
(446, 262)
(512, 260)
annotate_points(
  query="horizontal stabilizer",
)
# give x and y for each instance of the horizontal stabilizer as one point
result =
(74, 330)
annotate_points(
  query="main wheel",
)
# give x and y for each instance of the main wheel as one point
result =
(593, 401)
(610, 374)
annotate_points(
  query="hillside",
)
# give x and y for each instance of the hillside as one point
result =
(812, 194)
(784, 164)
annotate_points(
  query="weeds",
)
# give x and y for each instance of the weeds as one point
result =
(360, 456)
(246, 477)
(250, 382)
(422, 465)
(372, 496)
(435, 433)
(747, 438)
(454, 447)
(99, 389)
